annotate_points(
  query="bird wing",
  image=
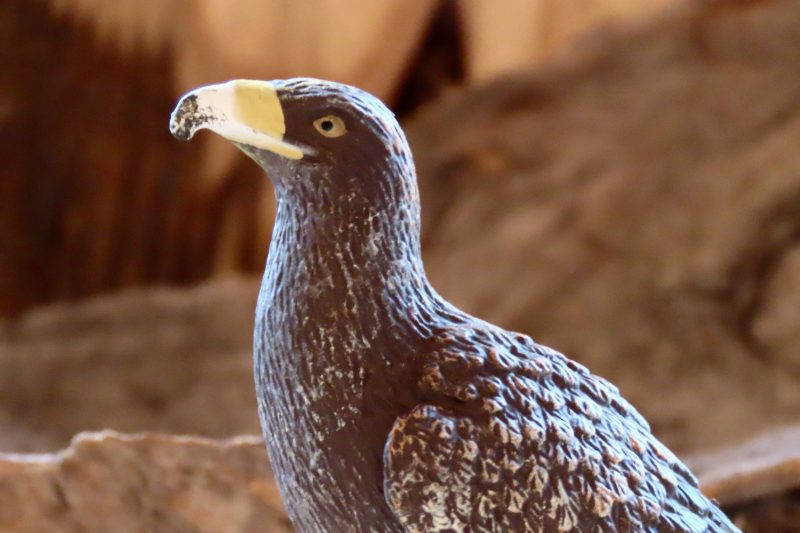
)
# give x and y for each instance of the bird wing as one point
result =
(513, 436)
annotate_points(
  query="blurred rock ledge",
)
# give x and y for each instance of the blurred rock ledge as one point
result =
(759, 468)
(122, 483)
(108, 481)
(166, 360)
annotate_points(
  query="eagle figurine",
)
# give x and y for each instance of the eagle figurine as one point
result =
(384, 407)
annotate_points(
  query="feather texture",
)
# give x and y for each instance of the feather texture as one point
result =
(513, 436)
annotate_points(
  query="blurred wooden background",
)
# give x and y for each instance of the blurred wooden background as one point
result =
(97, 196)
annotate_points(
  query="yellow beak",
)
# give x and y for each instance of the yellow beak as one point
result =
(243, 111)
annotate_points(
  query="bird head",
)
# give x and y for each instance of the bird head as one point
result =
(314, 138)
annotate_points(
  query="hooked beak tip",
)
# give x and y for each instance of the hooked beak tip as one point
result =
(185, 119)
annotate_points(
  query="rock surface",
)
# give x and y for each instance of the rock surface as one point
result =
(757, 482)
(759, 468)
(167, 360)
(132, 483)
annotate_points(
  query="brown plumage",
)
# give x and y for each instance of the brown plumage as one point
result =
(384, 407)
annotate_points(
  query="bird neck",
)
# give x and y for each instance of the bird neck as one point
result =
(335, 332)
(351, 253)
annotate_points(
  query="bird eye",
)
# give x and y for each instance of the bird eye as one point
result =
(330, 126)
